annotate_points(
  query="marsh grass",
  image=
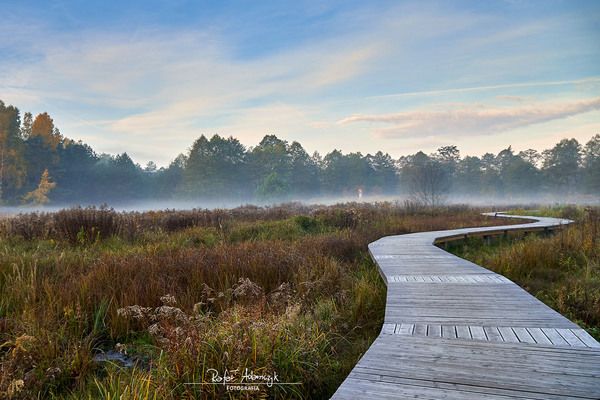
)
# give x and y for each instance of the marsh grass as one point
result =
(288, 289)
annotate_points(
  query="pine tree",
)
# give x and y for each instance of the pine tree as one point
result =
(27, 125)
(12, 162)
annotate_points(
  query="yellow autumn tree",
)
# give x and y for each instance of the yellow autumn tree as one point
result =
(40, 195)
(43, 126)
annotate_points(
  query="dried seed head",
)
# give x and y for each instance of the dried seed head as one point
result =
(168, 300)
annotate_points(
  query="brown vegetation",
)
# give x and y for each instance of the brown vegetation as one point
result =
(289, 289)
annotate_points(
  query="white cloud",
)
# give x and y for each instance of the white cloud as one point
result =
(471, 120)
(587, 82)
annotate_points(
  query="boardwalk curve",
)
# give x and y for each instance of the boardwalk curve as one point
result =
(455, 330)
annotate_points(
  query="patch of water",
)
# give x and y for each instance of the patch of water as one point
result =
(116, 357)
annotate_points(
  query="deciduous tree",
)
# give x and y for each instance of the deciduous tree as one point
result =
(39, 196)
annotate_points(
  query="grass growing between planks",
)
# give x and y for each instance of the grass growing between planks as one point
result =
(562, 270)
(289, 289)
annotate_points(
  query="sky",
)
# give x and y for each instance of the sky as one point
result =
(149, 77)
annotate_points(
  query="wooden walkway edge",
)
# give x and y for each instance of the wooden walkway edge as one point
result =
(455, 330)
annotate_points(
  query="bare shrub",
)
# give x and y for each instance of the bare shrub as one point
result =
(28, 226)
(85, 225)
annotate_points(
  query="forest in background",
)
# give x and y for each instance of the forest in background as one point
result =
(38, 165)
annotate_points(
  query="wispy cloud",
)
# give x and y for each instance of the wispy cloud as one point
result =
(586, 81)
(471, 120)
(179, 85)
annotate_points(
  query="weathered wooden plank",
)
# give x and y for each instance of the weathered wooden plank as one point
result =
(405, 329)
(476, 279)
(420, 330)
(449, 331)
(478, 332)
(586, 338)
(388, 328)
(570, 337)
(523, 335)
(508, 335)
(554, 336)
(462, 332)
(434, 330)
(493, 334)
(539, 336)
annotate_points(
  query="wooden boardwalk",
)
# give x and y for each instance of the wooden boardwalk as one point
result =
(455, 330)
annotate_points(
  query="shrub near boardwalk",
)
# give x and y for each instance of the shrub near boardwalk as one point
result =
(288, 289)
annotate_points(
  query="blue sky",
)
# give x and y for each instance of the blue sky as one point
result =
(149, 77)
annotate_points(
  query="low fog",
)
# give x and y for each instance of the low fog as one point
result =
(492, 203)
(42, 170)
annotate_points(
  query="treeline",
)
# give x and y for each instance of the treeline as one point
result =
(39, 165)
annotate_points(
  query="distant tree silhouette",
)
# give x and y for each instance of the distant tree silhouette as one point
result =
(591, 165)
(561, 165)
(221, 167)
(215, 168)
(427, 179)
